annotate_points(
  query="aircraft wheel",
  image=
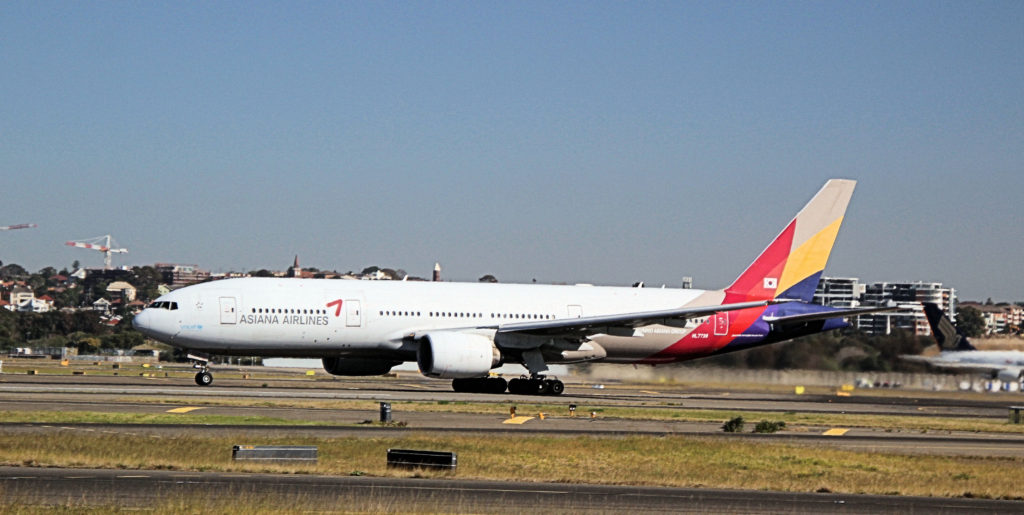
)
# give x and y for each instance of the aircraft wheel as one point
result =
(459, 385)
(556, 387)
(516, 386)
(204, 379)
(539, 387)
(497, 385)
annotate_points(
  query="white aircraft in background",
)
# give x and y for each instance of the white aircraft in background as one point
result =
(957, 352)
(461, 331)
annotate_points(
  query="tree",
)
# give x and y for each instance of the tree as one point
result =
(488, 279)
(12, 271)
(970, 321)
(146, 281)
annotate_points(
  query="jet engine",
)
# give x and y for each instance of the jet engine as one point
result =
(358, 366)
(452, 355)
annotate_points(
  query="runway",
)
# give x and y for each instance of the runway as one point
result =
(109, 394)
(160, 395)
(146, 488)
(417, 388)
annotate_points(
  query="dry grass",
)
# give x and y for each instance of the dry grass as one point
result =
(92, 417)
(226, 503)
(657, 461)
(650, 411)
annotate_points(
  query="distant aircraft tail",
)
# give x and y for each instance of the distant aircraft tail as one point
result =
(948, 336)
(791, 266)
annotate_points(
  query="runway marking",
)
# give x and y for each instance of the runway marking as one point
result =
(185, 409)
(132, 477)
(836, 431)
(517, 420)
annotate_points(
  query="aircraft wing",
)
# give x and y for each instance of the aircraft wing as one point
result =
(825, 315)
(602, 323)
(937, 361)
(966, 367)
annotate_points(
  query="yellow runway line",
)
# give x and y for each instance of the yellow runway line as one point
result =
(517, 420)
(838, 431)
(186, 409)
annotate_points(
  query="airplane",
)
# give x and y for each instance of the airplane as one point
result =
(957, 352)
(461, 331)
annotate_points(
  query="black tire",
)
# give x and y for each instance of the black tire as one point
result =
(496, 385)
(516, 386)
(460, 385)
(204, 379)
(539, 387)
(555, 387)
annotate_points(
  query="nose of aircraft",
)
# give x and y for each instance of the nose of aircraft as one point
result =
(143, 321)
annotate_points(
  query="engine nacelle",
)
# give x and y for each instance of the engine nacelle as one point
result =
(1009, 375)
(358, 366)
(452, 355)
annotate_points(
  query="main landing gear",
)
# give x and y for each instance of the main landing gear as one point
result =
(203, 377)
(480, 385)
(536, 385)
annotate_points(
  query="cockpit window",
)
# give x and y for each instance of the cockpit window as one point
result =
(163, 304)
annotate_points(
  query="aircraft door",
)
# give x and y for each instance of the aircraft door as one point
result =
(721, 323)
(228, 310)
(575, 311)
(353, 313)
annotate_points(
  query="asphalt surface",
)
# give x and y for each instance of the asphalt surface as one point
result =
(148, 488)
(115, 394)
(126, 394)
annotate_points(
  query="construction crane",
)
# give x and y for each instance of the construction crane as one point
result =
(18, 226)
(100, 243)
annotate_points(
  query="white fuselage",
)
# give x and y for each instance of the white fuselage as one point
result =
(320, 317)
(993, 358)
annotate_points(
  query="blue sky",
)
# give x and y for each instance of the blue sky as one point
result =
(603, 142)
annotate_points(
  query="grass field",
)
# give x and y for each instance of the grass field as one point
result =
(635, 460)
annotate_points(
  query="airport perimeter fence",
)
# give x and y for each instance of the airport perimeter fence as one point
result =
(727, 376)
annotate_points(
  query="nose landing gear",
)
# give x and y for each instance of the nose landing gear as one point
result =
(203, 377)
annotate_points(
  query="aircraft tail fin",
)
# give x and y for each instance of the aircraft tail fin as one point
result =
(948, 336)
(792, 264)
